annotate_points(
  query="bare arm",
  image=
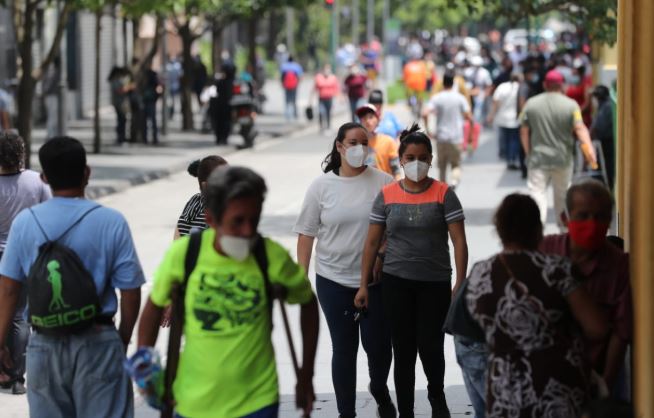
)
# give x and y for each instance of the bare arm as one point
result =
(177, 235)
(9, 293)
(458, 237)
(149, 325)
(130, 303)
(583, 136)
(310, 323)
(588, 315)
(524, 138)
(615, 355)
(493, 111)
(371, 247)
(304, 249)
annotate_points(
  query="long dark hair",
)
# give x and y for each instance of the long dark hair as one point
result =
(332, 161)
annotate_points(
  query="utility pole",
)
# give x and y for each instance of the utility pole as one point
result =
(370, 21)
(61, 86)
(164, 74)
(355, 22)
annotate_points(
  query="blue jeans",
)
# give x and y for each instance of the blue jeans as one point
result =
(473, 358)
(337, 303)
(78, 375)
(291, 104)
(325, 113)
(510, 138)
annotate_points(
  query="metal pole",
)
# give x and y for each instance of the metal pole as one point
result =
(337, 23)
(61, 114)
(370, 21)
(355, 22)
(386, 18)
(164, 73)
(290, 30)
(332, 37)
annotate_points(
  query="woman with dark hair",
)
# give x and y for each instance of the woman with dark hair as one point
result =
(416, 215)
(335, 211)
(192, 216)
(530, 306)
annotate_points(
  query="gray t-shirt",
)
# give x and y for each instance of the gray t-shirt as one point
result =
(17, 192)
(449, 107)
(551, 118)
(417, 245)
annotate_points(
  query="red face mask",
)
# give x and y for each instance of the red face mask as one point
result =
(588, 234)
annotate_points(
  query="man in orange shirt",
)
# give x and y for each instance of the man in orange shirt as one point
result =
(383, 153)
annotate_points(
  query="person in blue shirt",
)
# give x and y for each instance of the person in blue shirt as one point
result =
(80, 374)
(291, 74)
(389, 123)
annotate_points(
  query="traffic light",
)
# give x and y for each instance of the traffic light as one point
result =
(329, 4)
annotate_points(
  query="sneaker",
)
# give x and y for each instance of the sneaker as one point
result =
(439, 407)
(18, 389)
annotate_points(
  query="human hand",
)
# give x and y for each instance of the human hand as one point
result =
(166, 317)
(361, 298)
(6, 361)
(304, 394)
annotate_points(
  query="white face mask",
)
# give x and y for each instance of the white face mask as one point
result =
(356, 155)
(236, 247)
(416, 170)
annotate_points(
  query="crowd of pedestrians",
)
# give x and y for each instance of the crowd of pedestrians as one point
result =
(548, 319)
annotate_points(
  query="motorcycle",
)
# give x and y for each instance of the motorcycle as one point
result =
(244, 108)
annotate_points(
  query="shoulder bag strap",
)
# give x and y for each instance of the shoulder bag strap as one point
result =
(178, 293)
(259, 252)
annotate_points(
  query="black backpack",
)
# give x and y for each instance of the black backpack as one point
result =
(61, 293)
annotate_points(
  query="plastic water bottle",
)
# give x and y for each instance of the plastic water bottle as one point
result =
(144, 367)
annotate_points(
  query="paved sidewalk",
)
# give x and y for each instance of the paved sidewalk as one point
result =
(117, 168)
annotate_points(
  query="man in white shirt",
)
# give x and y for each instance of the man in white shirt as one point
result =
(504, 112)
(450, 108)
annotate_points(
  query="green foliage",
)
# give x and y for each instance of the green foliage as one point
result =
(597, 17)
(416, 15)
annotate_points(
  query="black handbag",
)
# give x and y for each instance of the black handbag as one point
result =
(309, 112)
(459, 321)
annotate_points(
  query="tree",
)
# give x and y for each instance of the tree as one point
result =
(23, 14)
(597, 17)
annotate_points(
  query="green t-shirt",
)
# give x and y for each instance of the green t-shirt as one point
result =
(551, 118)
(227, 366)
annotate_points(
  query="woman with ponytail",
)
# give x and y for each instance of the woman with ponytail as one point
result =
(416, 217)
(335, 212)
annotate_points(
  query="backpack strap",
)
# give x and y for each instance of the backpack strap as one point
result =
(192, 253)
(68, 229)
(259, 252)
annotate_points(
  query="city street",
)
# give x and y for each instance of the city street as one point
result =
(289, 164)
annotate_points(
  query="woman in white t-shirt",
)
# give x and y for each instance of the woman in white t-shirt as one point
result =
(336, 209)
(504, 113)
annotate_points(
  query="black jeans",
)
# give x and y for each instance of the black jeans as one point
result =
(150, 115)
(121, 124)
(337, 303)
(416, 311)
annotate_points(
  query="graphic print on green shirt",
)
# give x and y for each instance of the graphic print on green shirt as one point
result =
(227, 367)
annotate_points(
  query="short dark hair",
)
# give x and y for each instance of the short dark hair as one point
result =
(448, 79)
(202, 168)
(594, 188)
(227, 183)
(12, 151)
(517, 221)
(413, 135)
(63, 160)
